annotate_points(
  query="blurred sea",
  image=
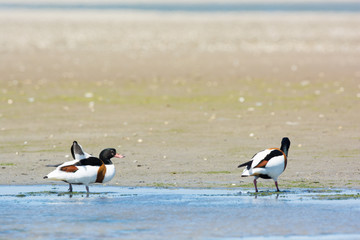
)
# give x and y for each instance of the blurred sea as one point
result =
(174, 6)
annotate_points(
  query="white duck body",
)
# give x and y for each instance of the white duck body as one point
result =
(84, 174)
(110, 172)
(87, 171)
(273, 168)
(269, 163)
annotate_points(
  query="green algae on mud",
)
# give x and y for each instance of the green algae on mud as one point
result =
(55, 193)
(292, 194)
(284, 184)
(162, 185)
(265, 193)
(337, 196)
(7, 164)
(316, 194)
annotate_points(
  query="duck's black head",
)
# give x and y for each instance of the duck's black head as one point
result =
(109, 153)
(285, 145)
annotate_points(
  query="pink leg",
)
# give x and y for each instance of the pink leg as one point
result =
(277, 188)
(87, 191)
(256, 190)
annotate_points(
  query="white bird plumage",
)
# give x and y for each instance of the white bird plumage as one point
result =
(268, 164)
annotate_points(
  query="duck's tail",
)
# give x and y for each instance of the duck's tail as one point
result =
(53, 176)
(246, 173)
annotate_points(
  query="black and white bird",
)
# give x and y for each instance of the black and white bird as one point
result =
(268, 164)
(85, 169)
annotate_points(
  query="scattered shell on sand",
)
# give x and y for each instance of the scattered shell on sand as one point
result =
(92, 106)
(305, 83)
(89, 95)
(294, 68)
(292, 123)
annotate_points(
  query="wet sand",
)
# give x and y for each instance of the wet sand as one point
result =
(185, 97)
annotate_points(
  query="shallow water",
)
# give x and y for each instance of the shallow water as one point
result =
(48, 212)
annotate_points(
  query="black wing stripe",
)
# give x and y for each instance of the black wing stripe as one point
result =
(92, 161)
(273, 153)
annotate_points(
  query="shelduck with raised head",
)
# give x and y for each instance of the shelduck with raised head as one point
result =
(85, 169)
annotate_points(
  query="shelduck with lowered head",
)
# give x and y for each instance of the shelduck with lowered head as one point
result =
(268, 164)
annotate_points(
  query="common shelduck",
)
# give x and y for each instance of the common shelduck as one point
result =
(269, 163)
(85, 169)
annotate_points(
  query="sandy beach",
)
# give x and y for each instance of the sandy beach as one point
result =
(186, 97)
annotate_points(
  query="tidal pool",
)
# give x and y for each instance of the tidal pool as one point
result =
(49, 212)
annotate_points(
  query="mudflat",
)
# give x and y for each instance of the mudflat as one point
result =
(186, 97)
